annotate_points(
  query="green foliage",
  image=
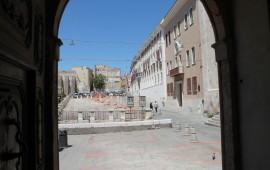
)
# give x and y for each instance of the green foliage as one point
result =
(99, 81)
(210, 115)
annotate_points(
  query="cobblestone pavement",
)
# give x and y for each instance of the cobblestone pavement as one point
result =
(158, 149)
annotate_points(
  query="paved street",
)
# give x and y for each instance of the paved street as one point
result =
(158, 149)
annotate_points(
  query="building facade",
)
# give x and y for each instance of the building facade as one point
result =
(148, 68)
(211, 102)
(113, 77)
(67, 82)
(85, 75)
(177, 62)
(183, 56)
(125, 83)
(30, 53)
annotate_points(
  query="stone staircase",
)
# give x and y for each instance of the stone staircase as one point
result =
(214, 121)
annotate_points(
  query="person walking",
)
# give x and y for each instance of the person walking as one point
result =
(151, 106)
(155, 106)
(163, 101)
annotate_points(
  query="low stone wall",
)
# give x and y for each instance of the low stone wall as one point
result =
(109, 127)
(63, 104)
(120, 115)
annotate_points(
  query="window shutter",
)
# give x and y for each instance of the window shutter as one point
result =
(189, 85)
(168, 89)
(171, 88)
(194, 85)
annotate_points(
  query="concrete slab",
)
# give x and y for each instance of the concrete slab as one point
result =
(106, 127)
(161, 149)
(152, 149)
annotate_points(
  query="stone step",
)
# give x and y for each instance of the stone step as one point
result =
(108, 127)
(215, 119)
(212, 123)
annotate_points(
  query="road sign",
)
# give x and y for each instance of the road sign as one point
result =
(130, 101)
(142, 101)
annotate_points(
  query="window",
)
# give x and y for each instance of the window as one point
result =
(191, 17)
(188, 86)
(169, 34)
(170, 65)
(174, 32)
(188, 59)
(180, 61)
(167, 68)
(178, 27)
(193, 60)
(176, 62)
(186, 20)
(171, 88)
(168, 89)
(194, 85)
(166, 40)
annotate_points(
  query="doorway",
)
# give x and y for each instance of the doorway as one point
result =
(179, 92)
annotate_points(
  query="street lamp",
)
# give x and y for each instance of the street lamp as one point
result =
(71, 43)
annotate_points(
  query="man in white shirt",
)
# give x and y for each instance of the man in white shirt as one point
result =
(155, 106)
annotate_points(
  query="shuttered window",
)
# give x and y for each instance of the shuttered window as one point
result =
(187, 59)
(168, 89)
(194, 85)
(188, 86)
(171, 89)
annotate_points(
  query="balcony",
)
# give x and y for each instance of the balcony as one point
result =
(138, 75)
(176, 71)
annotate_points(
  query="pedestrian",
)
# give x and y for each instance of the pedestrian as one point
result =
(213, 156)
(163, 102)
(151, 106)
(155, 106)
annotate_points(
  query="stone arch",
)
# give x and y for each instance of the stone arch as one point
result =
(219, 14)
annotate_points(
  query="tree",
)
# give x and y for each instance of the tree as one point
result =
(99, 81)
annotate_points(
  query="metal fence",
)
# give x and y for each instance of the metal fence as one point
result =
(102, 115)
(135, 114)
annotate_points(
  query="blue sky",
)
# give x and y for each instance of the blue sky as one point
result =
(107, 21)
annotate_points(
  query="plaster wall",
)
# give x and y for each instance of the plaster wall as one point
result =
(84, 75)
(60, 85)
(153, 94)
(113, 77)
(189, 37)
(252, 42)
(66, 86)
(209, 64)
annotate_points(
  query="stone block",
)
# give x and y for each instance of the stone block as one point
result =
(92, 120)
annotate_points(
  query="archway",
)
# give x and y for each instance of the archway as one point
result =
(219, 17)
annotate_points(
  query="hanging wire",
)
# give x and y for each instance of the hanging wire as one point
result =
(114, 42)
(100, 59)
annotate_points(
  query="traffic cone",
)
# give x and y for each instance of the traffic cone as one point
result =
(178, 127)
(187, 131)
(193, 135)
(153, 125)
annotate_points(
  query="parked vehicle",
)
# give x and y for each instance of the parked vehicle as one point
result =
(75, 95)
